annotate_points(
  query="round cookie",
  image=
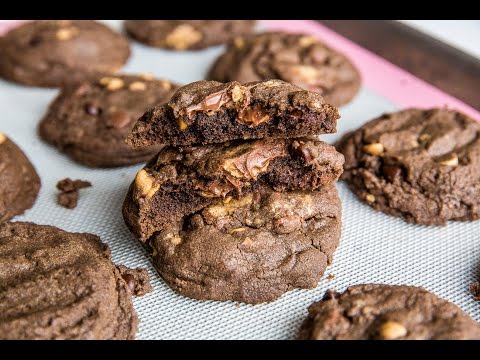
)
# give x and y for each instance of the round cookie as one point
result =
(53, 53)
(91, 120)
(296, 58)
(386, 312)
(187, 34)
(19, 181)
(422, 165)
(251, 249)
(60, 285)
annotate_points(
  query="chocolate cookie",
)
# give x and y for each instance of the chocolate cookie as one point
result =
(206, 112)
(60, 285)
(252, 249)
(187, 34)
(91, 120)
(297, 58)
(421, 165)
(53, 53)
(386, 312)
(19, 181)
(182, 180)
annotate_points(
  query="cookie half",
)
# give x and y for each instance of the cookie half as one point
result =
(187, 34)
(252, 249)
(421, 165)
(182, 180)
(54, 53)
(60, 285)
(387, 312)
(90, 121)
(19, 180)
(297, 58)
(206, 112)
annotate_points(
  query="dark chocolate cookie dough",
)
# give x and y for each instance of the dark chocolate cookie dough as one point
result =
(19, 182)
(386, 312)
(422, 165)
(53, 53)
(297, 58)
(91, 120)
(187, 34)
(206, 112)
(251, 249)
(60, 285)
(182, 180)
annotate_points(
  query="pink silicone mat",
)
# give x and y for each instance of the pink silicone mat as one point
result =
(374, 247)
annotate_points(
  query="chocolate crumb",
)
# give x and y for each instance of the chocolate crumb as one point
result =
(475, 290)
(136, 279)
(68, 197)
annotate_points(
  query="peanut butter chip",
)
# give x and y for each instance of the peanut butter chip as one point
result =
(370, 198)
(166, 84)
(182, 124)
(305, 41)
(374, 149)
(66, 33)
(392, 330)
(424, 137)
(452, 160)
(3, 138)
(237, 230)
(239, 42)
(137, 86)
(174, 239)
(112, 83)
(146, 76)
(183, 36)
(145, 184)
(237, 94)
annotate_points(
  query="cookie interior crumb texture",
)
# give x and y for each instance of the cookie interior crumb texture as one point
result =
(206, 112)
(182, 180)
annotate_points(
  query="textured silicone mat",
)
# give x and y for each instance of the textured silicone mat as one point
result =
(374, 247)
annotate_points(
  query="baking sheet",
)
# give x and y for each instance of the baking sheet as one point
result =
(375, 248)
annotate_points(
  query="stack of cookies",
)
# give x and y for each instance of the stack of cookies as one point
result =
(241, 203)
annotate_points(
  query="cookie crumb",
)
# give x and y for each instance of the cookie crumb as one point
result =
(137, 280)
(331, 277)
(475, 290)
(68, 197)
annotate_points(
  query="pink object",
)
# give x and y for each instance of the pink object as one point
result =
(395, 84)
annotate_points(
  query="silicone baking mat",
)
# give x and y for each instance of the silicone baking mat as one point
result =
(375, 248)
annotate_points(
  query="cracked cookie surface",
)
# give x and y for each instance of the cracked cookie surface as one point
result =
(207, 112)
(421, 165)
(387, 312)
(90, 120)
(187, 34)
(53, 53)
(252, 249)
(182, 180)
(60, 285)
(19, 181)
(297, 58)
